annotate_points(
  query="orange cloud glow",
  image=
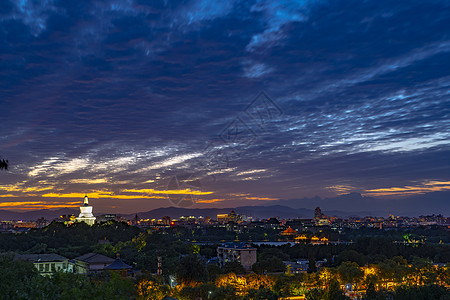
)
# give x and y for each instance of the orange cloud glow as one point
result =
(28, 205)
(341, 189)
(261, 198)
(424, 187)
(210, 201)
(168, 192)
(101, 194)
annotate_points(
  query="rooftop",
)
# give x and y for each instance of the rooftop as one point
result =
(41, 257)
(118, 264)
(237, 245)
(95, 258)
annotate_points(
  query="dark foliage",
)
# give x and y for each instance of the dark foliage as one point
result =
(3, 164)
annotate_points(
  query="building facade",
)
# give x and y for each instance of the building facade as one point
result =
(48, 264)
(91, 263)
(243, 253)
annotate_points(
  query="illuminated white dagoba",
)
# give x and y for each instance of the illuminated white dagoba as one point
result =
(86, 213)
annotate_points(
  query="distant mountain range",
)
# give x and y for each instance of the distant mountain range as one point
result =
(356, 204)
(36, 214)
(253, 211)
(353, 204)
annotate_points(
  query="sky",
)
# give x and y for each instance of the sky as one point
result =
(147, 104)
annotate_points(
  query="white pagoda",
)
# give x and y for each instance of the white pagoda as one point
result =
(86, 213)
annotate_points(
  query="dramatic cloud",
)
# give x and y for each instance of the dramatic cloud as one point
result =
(119, 98)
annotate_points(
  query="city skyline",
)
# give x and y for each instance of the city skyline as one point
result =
(224, 104)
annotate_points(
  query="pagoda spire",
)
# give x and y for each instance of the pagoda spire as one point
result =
(86, 212)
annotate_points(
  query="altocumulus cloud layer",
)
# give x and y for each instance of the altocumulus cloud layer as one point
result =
(113, 98)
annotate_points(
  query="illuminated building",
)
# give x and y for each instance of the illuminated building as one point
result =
(320, 218)
(289, 232)
(166, 220)
(243, 253)
(48, 264)
(222, 218)
(301, 238)
(86, 213)
(22, 224)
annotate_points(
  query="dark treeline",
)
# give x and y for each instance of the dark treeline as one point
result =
(366, 250)
(188, 261)
(143, 246)
(21, 281)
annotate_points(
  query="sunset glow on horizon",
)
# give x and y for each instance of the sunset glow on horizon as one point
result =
(226, 104)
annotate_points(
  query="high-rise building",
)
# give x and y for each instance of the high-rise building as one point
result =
(318, 213)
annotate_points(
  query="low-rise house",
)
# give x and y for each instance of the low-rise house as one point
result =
(297, 267)
(48, 264)
(243, 253)
(91, 263)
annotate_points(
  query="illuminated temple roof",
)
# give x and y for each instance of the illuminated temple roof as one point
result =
(289, 231)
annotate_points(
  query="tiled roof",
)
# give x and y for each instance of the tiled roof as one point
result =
(95, 258)
(118, 264)
(41, 257)
(289, 230)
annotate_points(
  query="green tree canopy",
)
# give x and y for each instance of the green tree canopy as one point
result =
(191, 269)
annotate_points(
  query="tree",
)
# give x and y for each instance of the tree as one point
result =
(315, 294)
(3, 164)
(224, 293)
(351, 255)
(213, 271)
(288, 285)
(16, 277)
(151, 290)
(273, 264)
(116, 287)
(427, 292)
(234, 267)
(334, 292)
(243, 284)
(350, 272)
(192, 269)
(326, 275)
(312, 265)
(393, 269)
(261, 293)
(371, 294)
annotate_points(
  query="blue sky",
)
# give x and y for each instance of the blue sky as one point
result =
(115, 98)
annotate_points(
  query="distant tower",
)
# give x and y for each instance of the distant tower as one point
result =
(86, 213)
(135, 220)
(232, 217)
(318, 213)
(159, 266)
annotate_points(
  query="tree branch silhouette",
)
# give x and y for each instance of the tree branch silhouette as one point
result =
(3, 164)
